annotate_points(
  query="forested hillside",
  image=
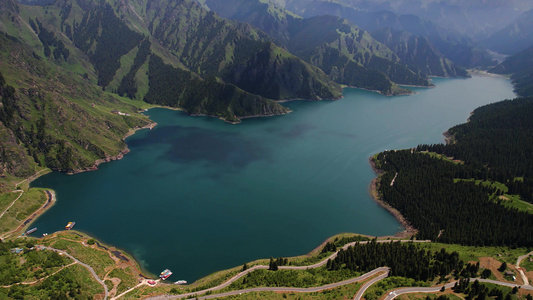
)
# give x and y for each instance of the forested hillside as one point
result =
(211, 46)
(49, 118)
(349, 55)
(174, 87)
(453, 45)
(468, 201)
(520, 67)
(418, 52)
(110, 44)
(403, 259)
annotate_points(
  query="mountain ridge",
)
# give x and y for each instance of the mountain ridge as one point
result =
(349, 55)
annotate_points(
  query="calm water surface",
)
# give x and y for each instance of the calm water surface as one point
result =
(198, 195)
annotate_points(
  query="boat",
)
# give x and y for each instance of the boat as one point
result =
(70, 225)
(31, 230)
(165, 274)
(181, 282)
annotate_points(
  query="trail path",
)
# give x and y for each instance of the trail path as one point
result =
(106, 292)
(50, 198)
(21, 193)
(40, 279)
(522, 274)
(393, 179)
(32, 176)
(143, 282)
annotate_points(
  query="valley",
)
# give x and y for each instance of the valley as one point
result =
(162, 100)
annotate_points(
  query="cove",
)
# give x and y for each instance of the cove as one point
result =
(197, 195)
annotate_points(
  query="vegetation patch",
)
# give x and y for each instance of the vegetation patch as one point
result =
(381, 287)
(99, 260)
(293, 278)
(21, 262)
(128, 279)
(30, 201)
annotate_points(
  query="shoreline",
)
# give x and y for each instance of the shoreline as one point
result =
(409, 230)
(119, 156)
(26, 223)
(388, 95)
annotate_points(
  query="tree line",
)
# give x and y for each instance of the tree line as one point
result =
(496, 145)
(403, 259)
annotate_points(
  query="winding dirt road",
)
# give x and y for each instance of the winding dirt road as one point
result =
(522, 274)
(16, 191)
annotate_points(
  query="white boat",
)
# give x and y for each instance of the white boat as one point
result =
(181, 282)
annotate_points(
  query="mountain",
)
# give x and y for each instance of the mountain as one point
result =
(211, 46)
(520, 67)
(346, 53)
(68, 69)
(112, 43)
(418, 53)
(476, 19)
(51, 117)
(457, 47)
(514, 38)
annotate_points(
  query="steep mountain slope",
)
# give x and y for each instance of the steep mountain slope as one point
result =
(350, 55)
(514, 38)
(211, 46)
(50, 117)
(110, 43)
(520, 66)
(456, 47)
(262, 14)
(346, 53)
(476, 19)
(418, 52)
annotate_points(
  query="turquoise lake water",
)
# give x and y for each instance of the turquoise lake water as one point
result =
(197, 195)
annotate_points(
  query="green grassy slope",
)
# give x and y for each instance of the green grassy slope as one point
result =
(54, 118)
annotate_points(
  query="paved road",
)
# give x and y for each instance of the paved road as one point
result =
(85, 265)
(518, 261)
(363, 289)
(241, 274)
(334, 255)
(434, 289)
(279, 289)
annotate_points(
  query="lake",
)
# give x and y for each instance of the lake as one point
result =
(197, 195)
